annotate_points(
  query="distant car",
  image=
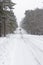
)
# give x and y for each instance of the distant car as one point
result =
(20, 29)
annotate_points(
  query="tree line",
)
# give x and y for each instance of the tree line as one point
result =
(33, 21)
(8, 21)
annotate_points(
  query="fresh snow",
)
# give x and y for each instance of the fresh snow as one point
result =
(21, 49)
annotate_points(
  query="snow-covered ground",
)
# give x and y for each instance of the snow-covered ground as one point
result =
(21, 49)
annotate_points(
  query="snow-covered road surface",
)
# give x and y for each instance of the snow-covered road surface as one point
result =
(17, 49)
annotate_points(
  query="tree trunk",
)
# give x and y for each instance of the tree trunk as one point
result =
(4, 29)
(0, 29)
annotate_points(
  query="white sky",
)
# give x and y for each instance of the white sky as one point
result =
(22, 5)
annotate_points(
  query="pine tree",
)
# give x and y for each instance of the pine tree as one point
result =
(6, 16)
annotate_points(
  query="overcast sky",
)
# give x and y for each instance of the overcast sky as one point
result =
(22, 5)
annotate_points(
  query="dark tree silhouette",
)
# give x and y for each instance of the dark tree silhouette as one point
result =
(7, 17)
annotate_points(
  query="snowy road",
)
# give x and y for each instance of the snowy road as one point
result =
(16, 49)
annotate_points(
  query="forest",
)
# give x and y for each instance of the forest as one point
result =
(33, 21)
(8, 21)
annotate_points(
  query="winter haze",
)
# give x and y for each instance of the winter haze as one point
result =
(22, 5)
